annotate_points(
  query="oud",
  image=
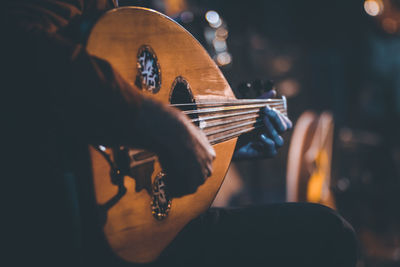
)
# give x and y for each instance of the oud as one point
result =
(163, 60)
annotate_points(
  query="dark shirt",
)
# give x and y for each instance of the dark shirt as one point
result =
(56, 99)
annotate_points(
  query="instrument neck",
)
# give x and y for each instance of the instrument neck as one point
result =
(228, 119)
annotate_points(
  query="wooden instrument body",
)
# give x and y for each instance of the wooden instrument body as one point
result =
(130, 228)
(309, 160)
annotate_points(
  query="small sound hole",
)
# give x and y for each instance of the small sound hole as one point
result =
(181, 94)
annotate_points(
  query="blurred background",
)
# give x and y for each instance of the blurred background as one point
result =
(338, 64)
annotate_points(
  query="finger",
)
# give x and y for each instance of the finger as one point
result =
(209, 170)
(271, 131)
(212, 153)
(261, 148)
(276, 120)
(285, 120)
(269, 146)
(283, 126)
(248, 151)
(210, 150)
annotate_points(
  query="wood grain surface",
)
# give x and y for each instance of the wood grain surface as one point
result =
(131, 230)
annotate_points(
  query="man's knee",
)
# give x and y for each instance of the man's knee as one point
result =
(338, 236)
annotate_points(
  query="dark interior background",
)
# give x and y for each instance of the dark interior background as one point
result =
(324, 56)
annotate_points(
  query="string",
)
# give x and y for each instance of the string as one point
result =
(253, 123)
(233, 102)
(233, 135)
(222, 116)
(205, 125)
(194, 105)
(210, 110)
(239, 105)
(232, 127)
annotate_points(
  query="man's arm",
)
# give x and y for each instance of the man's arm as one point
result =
(88, 99)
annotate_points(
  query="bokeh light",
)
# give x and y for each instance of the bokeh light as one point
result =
(373, 7)
(213, 18)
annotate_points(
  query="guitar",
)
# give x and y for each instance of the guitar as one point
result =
(165, 62)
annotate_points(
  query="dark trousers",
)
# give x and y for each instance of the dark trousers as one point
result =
(288, 234)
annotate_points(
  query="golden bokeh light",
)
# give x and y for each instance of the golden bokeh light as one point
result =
(389, 25)
(373, 7)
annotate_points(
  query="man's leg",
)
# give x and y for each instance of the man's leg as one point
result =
(289, 234)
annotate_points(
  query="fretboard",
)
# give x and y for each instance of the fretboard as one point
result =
(221, 121)
(224, 120)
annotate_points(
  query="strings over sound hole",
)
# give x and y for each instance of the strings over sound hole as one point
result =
(182, 97)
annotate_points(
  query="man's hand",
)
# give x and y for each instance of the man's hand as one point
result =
(183, 150)
(264, 144)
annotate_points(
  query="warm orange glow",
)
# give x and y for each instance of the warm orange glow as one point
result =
(224, 58)
(288, 87)
(173, 7)
(389, 25)
(318, 179)
(221, 33)
(282, 64)
(373, 7)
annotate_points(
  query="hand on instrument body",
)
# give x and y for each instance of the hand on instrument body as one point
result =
(91, 102)
(265, 143)
(183, 150)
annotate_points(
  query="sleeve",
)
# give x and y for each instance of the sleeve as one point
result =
(86, 93)
(77, 92)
